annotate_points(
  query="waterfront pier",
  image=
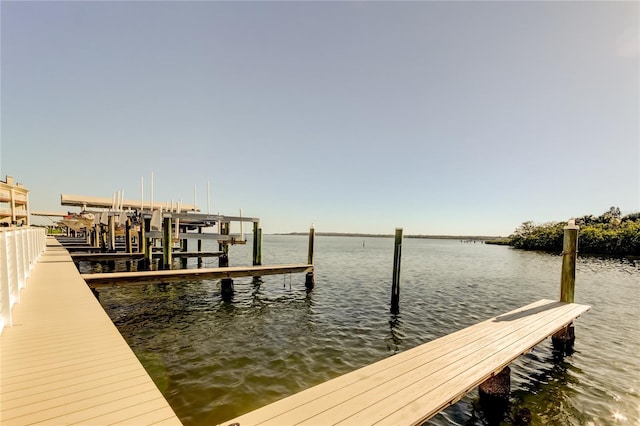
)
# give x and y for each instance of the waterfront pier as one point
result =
(63, 360)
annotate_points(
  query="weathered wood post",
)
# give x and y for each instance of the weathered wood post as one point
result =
(112, 234)
(184, 246)
(145, 226)
(563, 340)
(103, 238)
(395, 284)
(309, 279)
(494, 395)
(226, 290)
(257, 244)
(167, 243)
(257, 250)
(199, 247)
(127, 236)
(95, 236)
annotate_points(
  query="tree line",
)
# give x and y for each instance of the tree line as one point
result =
(609, 233)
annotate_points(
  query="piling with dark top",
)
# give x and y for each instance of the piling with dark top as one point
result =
(184, 246)
(494, 395)
(145, 225)
(564, 339)
(395, 285)
(309, 281)
(257, 244)
(167, 243)
(226, 284)
(199, 247)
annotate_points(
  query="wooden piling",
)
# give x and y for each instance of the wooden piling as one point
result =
(184, 245)
(111, 234)
(257, 244)
(199, 247)
(95, 236)
(569, 256)
(226, 284)
(167, 243)
(309, 278)
(563, 340)
(127, 236)
(494, 395)
(395, 285)
(103, 238)
(145, 226)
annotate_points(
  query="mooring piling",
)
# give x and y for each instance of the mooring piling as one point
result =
(199, 247)
(257, 244)
(127, 236)
(564, 339)
(226, 290)
(569, 256)
(112, 234)
(395, 285)
(309, 281)
(167, 243)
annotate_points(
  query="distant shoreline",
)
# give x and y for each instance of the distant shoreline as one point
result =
(431, 237)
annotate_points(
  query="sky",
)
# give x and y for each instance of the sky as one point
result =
(458, 118)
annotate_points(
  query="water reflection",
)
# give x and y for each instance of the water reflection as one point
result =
(549, 388)
(394, 340)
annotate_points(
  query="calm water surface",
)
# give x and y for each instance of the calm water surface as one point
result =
(215, 360)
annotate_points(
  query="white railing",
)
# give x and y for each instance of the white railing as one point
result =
(20, 249)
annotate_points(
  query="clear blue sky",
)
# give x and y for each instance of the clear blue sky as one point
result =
(441, 118)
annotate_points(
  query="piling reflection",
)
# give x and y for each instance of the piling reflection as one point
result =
(394, 340)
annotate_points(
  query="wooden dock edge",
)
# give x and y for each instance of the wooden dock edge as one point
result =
(116, 278)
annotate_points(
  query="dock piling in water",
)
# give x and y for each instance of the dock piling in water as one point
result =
(309, 281)
(395, 285)
(226, 290)
(569, 255)
(257, 244)
(167, 243)
(564, 339)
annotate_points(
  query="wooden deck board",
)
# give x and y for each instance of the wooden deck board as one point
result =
(64, 362)
(412, 386)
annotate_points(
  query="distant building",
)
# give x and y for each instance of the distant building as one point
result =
(14, 203)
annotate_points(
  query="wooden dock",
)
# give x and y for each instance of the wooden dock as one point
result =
(63, 360)
(412, 386)
(113, 278)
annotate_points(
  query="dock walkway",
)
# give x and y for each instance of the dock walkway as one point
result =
(63, 361)
(412, 386)
(112, 278)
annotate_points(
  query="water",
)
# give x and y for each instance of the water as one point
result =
(214, 360)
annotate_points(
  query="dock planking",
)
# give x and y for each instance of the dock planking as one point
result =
(63, 360)
(413, 386)
(114, 278)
